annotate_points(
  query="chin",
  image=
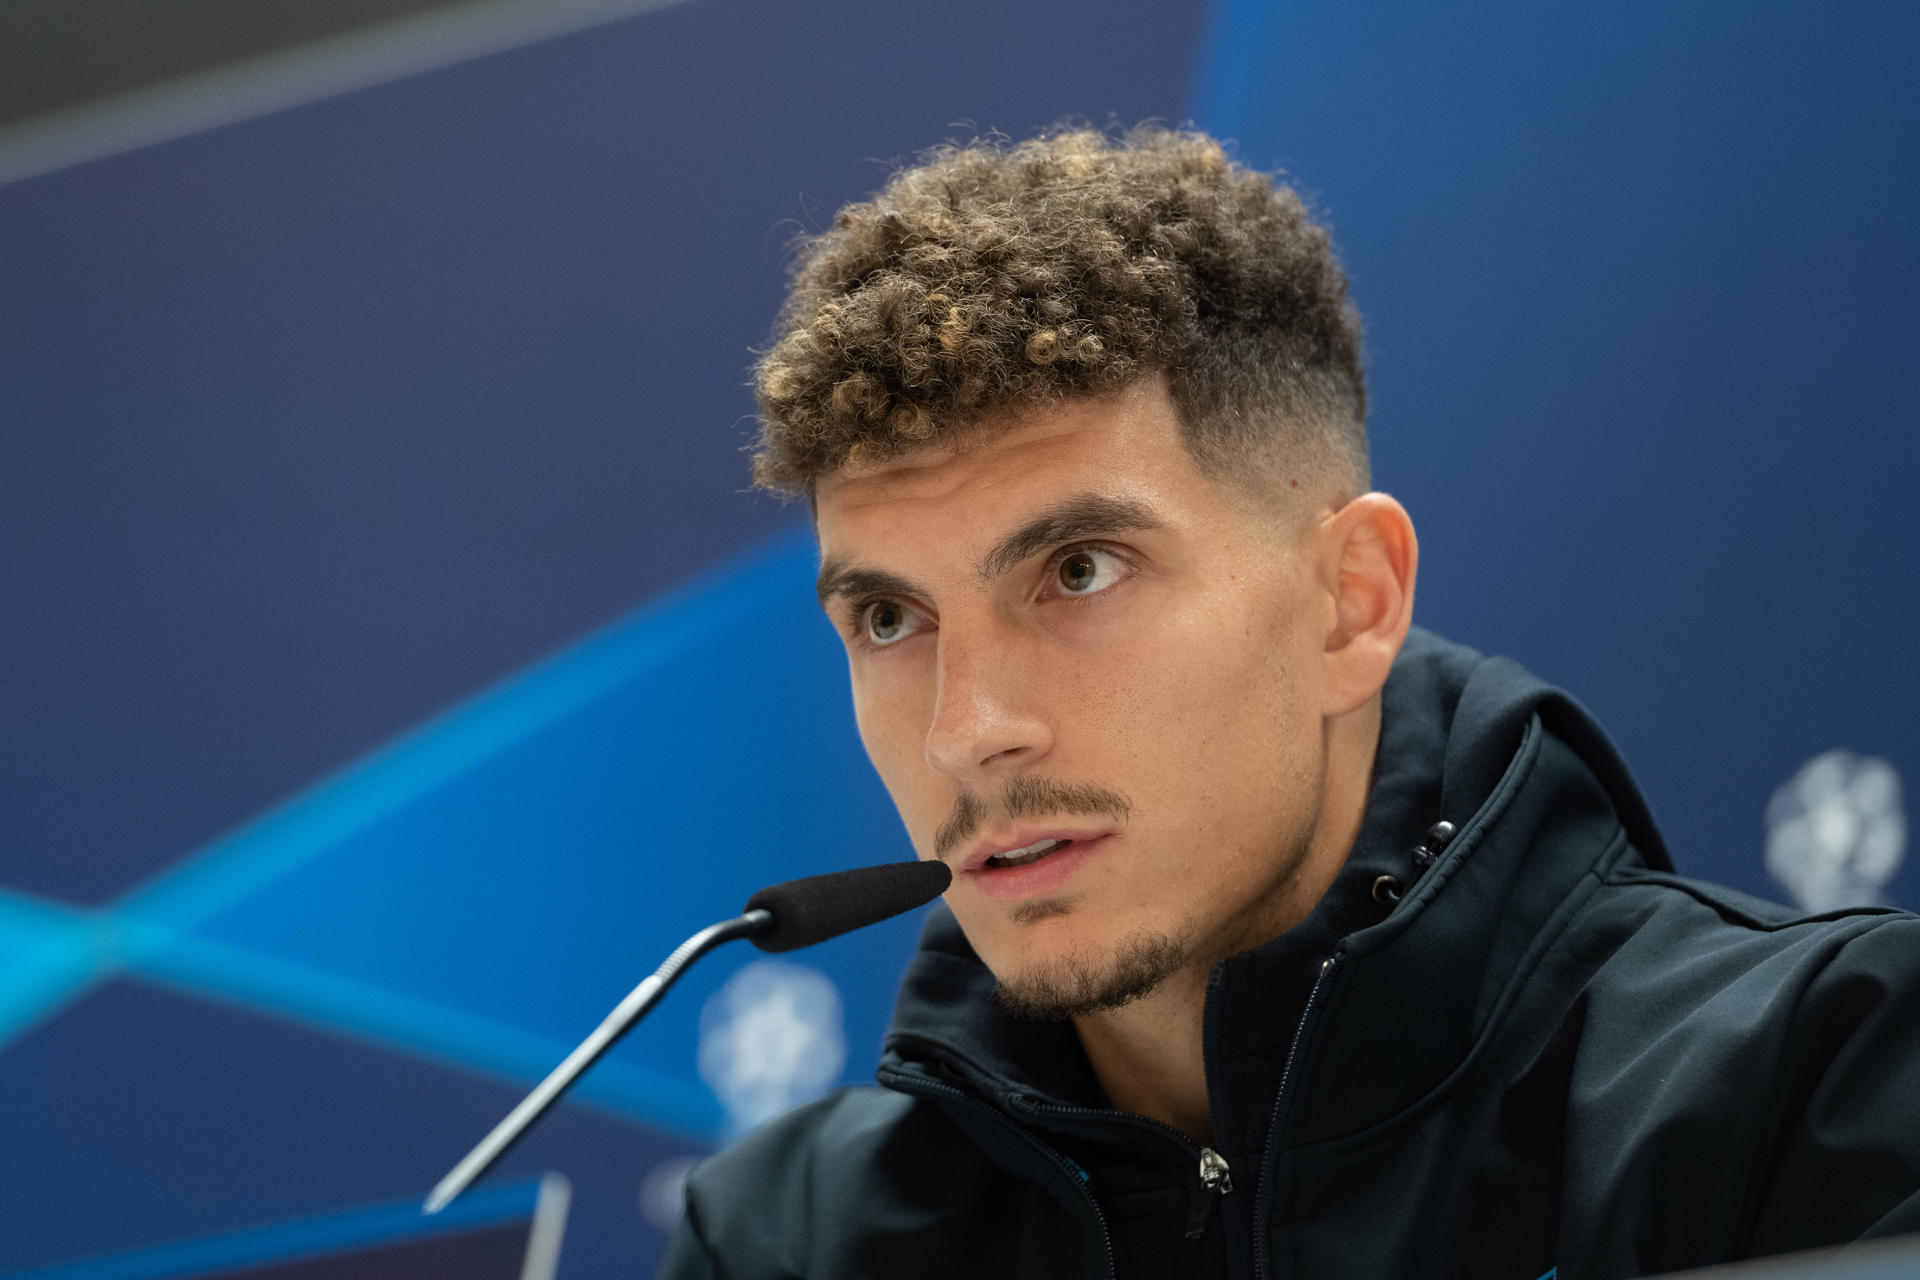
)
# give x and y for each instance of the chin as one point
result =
(1076, 979)
(1058, 968)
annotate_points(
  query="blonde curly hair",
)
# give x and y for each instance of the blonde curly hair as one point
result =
(993, 276)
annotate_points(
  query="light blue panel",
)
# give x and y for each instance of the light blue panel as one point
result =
(523, 870)
(379, 1015)
(371, 789)
(48, 955)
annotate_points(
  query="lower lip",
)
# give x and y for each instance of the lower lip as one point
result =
(1036, 879)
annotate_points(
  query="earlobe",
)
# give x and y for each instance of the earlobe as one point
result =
(1371, 559)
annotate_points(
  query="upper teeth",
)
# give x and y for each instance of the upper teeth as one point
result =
(1033, 852)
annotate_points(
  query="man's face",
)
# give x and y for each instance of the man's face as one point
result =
(1069, 634)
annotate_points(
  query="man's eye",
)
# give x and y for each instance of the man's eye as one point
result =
(886, 622)
(1083, 572)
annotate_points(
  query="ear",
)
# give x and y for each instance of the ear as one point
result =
(1368, 559)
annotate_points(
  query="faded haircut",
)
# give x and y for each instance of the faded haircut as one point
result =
(993, 276)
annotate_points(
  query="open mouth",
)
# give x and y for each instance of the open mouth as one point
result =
(1027, 856)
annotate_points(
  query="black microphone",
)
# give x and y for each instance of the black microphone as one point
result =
(821, 907)
(782, 917)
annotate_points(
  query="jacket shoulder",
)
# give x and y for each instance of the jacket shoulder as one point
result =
(870, 1182)
(811, 1192)
(856, 1128)
(1778, 1108)
(1742, 910)
(1682, 955)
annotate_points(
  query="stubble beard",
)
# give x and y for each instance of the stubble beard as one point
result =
(1074, 985)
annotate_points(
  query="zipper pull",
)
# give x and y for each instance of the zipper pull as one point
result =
(1216, 1180)
(1214, 1174)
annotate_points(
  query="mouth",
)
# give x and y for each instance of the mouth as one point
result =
(1046, 867)
(1025, 857)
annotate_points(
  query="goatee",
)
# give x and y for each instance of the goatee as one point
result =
(1072, 985)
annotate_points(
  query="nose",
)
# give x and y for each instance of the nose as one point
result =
(984, 725)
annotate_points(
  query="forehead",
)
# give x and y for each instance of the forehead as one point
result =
(1126, 445)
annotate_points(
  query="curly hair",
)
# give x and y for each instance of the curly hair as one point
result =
(996, 277)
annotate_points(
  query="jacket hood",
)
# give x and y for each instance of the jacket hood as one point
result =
(1538, 797)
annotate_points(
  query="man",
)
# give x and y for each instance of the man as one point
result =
(1284, 940)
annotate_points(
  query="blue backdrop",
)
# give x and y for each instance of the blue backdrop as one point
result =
(397, 667)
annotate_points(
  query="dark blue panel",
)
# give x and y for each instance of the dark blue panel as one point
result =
(1642, 292)
(484, 1233)
(138, 1117)
(317, 423)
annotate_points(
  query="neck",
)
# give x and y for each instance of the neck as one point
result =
(1149, 1055)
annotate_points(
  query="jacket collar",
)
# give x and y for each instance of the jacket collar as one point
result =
(1544, 806)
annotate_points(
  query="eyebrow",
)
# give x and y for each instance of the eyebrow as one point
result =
(839, 578)
(1084, 515)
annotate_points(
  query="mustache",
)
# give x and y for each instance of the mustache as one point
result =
(1025, 797)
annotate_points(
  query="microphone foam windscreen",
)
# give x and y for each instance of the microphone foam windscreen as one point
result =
(821, 907)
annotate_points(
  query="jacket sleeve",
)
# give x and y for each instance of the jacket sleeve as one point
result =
(745, 1211)
(1848, 1160)
(1902, 1220)
(688, 1255)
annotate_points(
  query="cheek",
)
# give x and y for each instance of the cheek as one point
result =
(890, 709)
(1216, 721)
(1211, 667)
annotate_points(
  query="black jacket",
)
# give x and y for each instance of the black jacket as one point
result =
(1551, 1051)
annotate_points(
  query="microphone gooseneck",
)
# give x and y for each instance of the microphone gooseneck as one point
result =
(782, 917)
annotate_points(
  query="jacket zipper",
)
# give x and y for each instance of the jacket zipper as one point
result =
(916, 1084)
(1263, 1198)
(1212, 1173)
(1216, 1179)
(1210, 1167)
(1212, 1178)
